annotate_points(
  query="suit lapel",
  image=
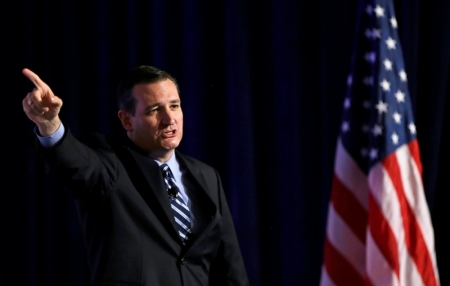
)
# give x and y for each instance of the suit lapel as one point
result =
(208, 208)
(145, 175)
(194, 172)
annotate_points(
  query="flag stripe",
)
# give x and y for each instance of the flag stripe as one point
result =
(379, 272)
(386, 228)
(348, 207)
(411, 180)
(413, 235)
(419, 202)
(325, 279)
(347, 170)
(415, 154)
(383, 235)
(339, 269)
(345, 241)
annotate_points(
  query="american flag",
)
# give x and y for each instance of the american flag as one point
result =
(379, 230)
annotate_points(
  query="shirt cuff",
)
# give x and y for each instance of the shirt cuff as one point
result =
(50, 141)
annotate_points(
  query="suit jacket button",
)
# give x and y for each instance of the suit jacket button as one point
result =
(183, 261)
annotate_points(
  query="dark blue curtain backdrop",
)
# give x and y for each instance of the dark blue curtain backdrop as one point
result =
(262, 85)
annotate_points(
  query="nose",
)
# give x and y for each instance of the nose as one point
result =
(167, 117)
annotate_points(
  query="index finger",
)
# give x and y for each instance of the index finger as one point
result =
(35, 79)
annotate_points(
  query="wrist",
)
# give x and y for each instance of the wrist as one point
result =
(49, 128)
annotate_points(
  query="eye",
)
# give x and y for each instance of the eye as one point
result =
(151, 111)
(175, 106)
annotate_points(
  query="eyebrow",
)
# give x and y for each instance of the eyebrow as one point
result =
(159, 104)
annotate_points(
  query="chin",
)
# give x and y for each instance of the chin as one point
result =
(172, 144)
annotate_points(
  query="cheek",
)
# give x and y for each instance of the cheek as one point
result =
(153, 130)
(180, 122)
(149, 124)
(146, 128)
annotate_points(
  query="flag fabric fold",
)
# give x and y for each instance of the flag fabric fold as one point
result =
(379, 229)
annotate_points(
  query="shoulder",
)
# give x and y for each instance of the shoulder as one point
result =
(97, 140)
(191, 162)
(197, 167)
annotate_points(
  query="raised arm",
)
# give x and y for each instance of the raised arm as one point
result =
(41, 105)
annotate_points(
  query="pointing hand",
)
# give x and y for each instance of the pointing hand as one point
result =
(41, 105)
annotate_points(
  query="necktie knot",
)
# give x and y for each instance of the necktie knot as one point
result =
(169, 180)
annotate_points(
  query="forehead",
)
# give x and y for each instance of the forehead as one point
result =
(155, 92)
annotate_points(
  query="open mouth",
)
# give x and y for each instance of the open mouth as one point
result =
(169, 133)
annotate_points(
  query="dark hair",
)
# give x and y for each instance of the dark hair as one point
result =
(140, 74)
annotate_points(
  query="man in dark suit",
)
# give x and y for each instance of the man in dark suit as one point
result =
(150, 215)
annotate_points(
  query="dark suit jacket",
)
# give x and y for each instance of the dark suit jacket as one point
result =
(128, 225)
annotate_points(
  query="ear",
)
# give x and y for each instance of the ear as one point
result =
(125, 118)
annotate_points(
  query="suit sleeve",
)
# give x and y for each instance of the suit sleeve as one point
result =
(82, 170)
(228, 268)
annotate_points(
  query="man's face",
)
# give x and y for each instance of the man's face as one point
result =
(157, 125)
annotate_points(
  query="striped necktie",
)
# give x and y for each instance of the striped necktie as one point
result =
(179, 207)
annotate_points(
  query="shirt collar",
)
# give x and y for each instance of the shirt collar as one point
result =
(172, 162)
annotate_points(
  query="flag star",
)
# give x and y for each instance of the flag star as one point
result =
(370, 57)
(376, 33)
(387, 64)
(345, 127)
(369, 9)
(402, 75)
(366, 104)
(390, 43)
(381, 107)
(368, 80)
(377, 130)
(394, 138)
(347, 103)
(379, 11)
(373, 153)
(397, 117)
(385, 85)
(349, 80)
(400, 96)
(393, 23)
(373, 34)
(412, 128)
